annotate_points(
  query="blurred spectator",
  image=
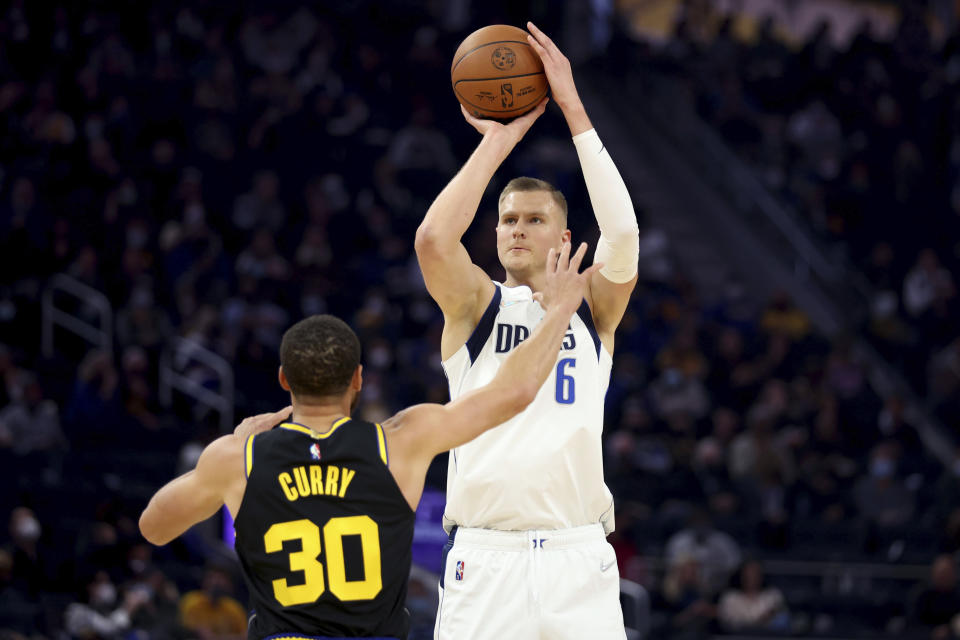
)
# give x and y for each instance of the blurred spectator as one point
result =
(95, 405)
(927, 284)
(158, 616)
(30, 571)
(16, 612)
(212, 612)
(939, 602)
(142, 322)
(784, 317)
(675, 393)
(260, 207)
(944, 382)
(690, 604)
(881, 496)
(99, 616)
(750, 604)
(948, 488)
(716, 552)
(31, 423)
(261, 261)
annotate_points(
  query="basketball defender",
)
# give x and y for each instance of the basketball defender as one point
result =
(324, 505)
(527, 508)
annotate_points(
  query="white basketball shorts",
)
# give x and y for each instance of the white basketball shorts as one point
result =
(529, 585)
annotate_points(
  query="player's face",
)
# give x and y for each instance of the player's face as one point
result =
(530, 224)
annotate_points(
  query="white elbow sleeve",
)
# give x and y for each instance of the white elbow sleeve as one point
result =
(619, 245)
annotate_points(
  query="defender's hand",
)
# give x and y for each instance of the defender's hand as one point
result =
(515, 129)
(263, 422)
(557, 67)
(565, 287)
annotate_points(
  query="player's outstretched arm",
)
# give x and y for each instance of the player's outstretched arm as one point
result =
(457, 285)
(417, 434)
(618, 247)
(197, 494)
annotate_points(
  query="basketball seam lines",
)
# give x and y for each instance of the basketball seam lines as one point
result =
(522, 75)
(486, 44)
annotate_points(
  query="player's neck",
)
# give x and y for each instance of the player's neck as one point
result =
(535, 282)
(319, 417)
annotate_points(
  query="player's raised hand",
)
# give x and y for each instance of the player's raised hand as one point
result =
(261, 422)
(566, 284)
(515, 129)
(557, 67)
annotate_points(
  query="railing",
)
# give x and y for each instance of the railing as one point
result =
(51, 316)
(178, 371)
(636, 609)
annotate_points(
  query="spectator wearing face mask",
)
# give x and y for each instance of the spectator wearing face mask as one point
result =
(29, 571)
(211, 612)
(99, 616)
(881, 496)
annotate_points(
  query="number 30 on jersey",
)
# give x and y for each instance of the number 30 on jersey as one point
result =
(306, 561)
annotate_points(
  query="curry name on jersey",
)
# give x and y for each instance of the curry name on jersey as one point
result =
(324, 533)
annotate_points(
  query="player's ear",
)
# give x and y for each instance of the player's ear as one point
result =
(566, 235)
(356, 382)
(283, 379)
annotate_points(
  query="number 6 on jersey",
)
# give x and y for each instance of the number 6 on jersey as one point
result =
(565, 386)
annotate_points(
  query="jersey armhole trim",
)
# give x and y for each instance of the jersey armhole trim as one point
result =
(382, 444)
(587, 317)
(248, 455)
(485, 327)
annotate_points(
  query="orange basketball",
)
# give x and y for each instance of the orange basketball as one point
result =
(497, 74)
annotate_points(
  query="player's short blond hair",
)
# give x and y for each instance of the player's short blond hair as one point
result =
(535, 184)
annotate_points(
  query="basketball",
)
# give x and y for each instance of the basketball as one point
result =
(497, 74)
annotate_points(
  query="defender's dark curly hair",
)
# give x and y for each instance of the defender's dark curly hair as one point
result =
(319, 355)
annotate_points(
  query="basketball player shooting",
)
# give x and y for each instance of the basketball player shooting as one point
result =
(299, 491)
(527, 509)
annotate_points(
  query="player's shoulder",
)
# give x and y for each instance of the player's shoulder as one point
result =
(223, 454)
(223, 448)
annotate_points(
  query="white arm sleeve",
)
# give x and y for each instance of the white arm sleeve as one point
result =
(619, 245)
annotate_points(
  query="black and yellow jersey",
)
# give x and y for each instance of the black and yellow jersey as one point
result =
(324, 533)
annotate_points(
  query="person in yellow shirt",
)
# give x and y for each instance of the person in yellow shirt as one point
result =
(211, 612)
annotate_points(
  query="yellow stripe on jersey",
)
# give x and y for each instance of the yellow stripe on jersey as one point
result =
(290, 637)
(381, 441)
(248, 457)
(292, 426)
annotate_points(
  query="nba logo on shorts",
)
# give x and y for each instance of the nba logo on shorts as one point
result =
(459, 573)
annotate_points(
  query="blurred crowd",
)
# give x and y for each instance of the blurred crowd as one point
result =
(863, 140)
(219, 171)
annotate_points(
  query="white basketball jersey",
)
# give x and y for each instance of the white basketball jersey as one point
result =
(543, 469)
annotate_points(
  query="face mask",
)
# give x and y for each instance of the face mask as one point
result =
(216, 593)
(882, 468)
(104, 594)
(28, 529)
